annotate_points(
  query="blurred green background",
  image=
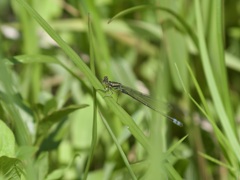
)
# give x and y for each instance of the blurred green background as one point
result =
(56, 123)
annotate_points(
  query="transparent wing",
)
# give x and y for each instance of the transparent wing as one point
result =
(154, 104)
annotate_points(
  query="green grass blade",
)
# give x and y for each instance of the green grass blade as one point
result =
(119, 147)
(220, 163)
(94, 126)
(226, 123)
(167, 10)
(23, 137)
(221, 137)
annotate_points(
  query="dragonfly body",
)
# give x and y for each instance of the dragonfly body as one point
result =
(143, 98)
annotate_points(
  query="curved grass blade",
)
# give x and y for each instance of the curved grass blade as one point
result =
(169, 11)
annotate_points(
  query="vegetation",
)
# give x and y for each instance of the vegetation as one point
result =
(56, 121)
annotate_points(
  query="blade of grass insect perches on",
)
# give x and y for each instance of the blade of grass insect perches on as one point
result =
(94, 126)
(221, 138)
(218, 103)
(125, 160)
(122, 115)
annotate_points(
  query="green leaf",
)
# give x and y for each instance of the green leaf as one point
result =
(11, 168)
(7, 141)
(47, 122)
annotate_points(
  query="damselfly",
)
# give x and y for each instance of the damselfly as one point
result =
(143, 98)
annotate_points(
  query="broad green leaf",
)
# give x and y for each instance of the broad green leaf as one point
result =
(55, 117)
(7, 141)
(11, 168)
